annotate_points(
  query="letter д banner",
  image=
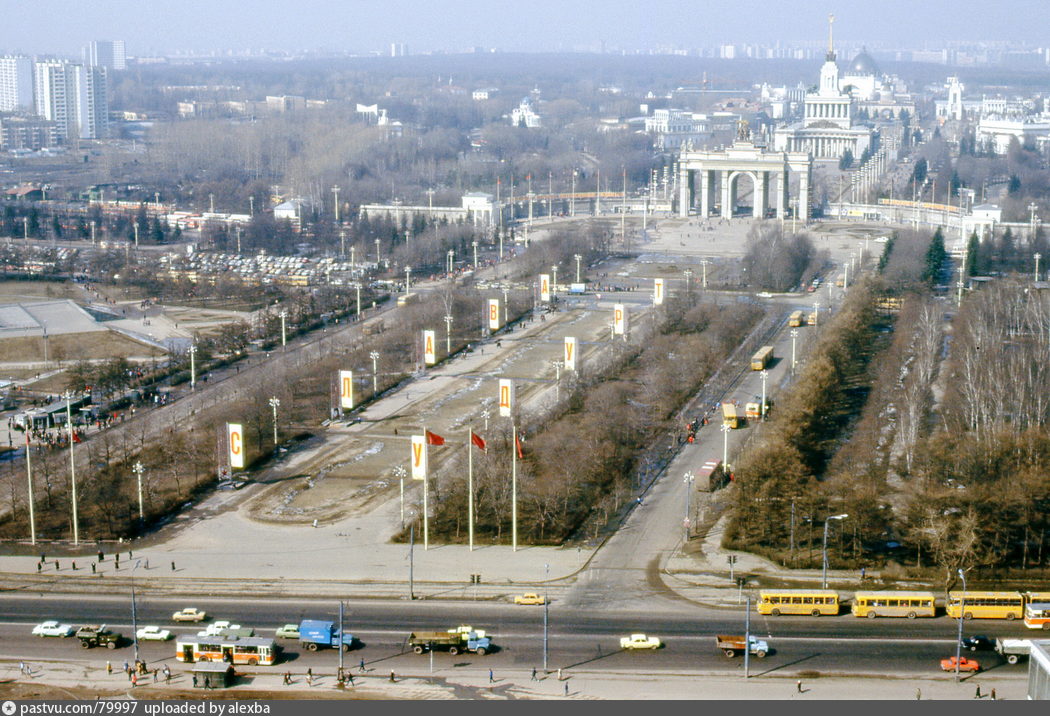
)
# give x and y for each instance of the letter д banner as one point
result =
(619, 319)
(346, 389)
(506, 397)
(429, 357)
(235, 436)
(570, 353)
(658, 292)
(419, 457)
(493, 314)
(545, 287)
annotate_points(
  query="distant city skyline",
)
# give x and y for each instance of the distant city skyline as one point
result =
(65, 26)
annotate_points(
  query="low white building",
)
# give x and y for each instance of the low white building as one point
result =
(525, 115)
(484, 93)
(996, 132)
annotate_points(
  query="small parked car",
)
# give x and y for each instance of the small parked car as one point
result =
(189, 614)
(530, 598)
(640, 641)
(965, 664)
(153, 633)
(978, 642)
(288, 631)
(53, 628)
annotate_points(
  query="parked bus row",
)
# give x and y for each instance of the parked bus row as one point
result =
(1032, 607)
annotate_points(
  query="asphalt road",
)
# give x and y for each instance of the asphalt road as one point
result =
(578, 639)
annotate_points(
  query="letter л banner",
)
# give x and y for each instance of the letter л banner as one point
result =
(419, 457)
(619, 320)
(235, 435)
(506, 397)
(658, 292)
(493, 314)
(570, 353)
(545, 287)
(429, 357)
(346, 389)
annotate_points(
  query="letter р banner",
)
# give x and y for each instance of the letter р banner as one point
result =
(346, 389)
(419, 457)
(570, 353)
(619, 319)
(506, 397)
(235, 435)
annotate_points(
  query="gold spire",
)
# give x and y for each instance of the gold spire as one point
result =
(831, 43)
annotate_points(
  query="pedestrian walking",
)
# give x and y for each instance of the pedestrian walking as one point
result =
(491, 680)
(351, 677)
(194, 681)
(918, 694)
(125, 667)
(978, 694)
(21, 667)
(92, 567)
(310, 673)
(534, 673)
(362, 665)
(134, 680)
(566, 688)
(798, 686)
(391, 677)
(207, 682)
(559, 673)
(173, 566)
(993, 694)
(309, 679)
(155, 675)
(109, 667)
(167, 674)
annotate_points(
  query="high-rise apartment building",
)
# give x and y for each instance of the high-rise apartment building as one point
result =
(106, 53)
(16, 83)
(72, 96)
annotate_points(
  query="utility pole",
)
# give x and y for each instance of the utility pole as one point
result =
(374, 355)
(448, 335)
(274, 403)
(193, 366)
(794, 335)
(72, 467)
(284, 334)
(335, 190)
(580, 258)
(138, 470)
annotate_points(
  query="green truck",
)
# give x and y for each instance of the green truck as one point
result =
(93, 635)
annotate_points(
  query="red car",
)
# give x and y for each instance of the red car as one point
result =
(964, 664)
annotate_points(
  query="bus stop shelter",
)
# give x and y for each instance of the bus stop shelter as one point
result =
(212, 675)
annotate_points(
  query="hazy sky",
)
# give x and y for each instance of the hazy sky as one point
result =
(149, 26)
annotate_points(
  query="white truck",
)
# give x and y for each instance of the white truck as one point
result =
(1013, 649)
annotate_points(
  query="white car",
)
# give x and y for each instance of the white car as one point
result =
(189, 614)
(640, 641)
(53, 628)
(153, 633)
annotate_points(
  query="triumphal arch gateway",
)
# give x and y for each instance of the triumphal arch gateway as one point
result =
(743, 159)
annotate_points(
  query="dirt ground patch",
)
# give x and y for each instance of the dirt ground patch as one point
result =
(73, 346)
(13, 291)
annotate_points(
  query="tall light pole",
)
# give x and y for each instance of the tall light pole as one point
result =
(274, 403)
(451, 259)
(578, 259)
(72, 467)
(1037, 257)
(377, 255)
(794, 335)
(1031, 214)
(193, 366)
(688, 281)
(506, 292)
(400, 473)
(448, 335)
(962, 614)
(408, 278)
(134, 614)
(688, 502)
(357, 290)
(725, 446)
(546, 614)
(824, 567)
(762, 410)
(29, 479)
(475, 245)
(704, 263)
(284, 333)
(211, 203)
(374, 355)
(554, 281)
(335, 190)
(251, 206)
(138, 470)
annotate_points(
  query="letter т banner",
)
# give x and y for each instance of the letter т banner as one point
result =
(235, 438)
(658, 292)
(493, 314)
(545, 287)
(506, 397)
(619, 320)
(419, 457)
(570, 353)
(429, 356)
(346, 389)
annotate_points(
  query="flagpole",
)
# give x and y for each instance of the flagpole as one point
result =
(514, 485)
(426, 492)
(470, 488)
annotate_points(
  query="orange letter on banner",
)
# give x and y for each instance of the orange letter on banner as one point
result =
(236, 439)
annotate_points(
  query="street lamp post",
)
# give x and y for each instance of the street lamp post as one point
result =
(704, 263)
(962, 614)
(284, 333)
(448, 335)
(475, 245)
(765, 375)
(357, 290)
(1031, 214)
(335, 190)
(824, 567)
(193, 366)
(138, 470)
(1037, 257)
(377, 255)
(554, 281)
(451, 260)
(275, 403)
(400, 472)
(506, 292)
(374, 355)
(578, 259)
(688, 502)
(72, 467)
(485, 414)
(546, 614)
(408, 279)
(794, 336)
(134, 615)
(688, 280)
(725, 446)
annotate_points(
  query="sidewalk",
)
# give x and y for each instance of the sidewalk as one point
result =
(58, 679)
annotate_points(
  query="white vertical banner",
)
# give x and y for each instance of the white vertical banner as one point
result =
(429, 356)
(346, 389)
(493, 314)
(619, 320)
(419, 457)
(235, 439)
(570, 353)
(506, 397)
(545, 287)
(658, 292)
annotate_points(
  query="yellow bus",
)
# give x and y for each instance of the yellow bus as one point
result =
(761, 359)
(986, 605)
(795, 320)
(1037, 615)
(729, 416)
(814, 602)
(811, 319)
(893, 604)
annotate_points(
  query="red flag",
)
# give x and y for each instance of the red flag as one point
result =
(477, 440)
(517, 444)
(434, 439)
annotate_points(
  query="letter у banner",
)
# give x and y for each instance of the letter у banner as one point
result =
(658, 292)
(235, 438)
(429, 356)
(506, 397)
(493, 314)
(346, 389)
(570, 353)
(619, 319)
(545, 287)
(419, 457)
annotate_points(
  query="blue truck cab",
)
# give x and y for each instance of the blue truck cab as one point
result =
(315, 634)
